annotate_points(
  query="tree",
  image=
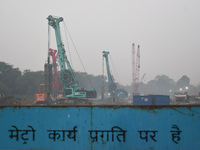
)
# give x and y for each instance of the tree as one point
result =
(90, 81)
(162, 84)
(183, 82)
(8, 78)
(29, 82)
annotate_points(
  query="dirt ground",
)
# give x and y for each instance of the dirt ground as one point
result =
(11, 101)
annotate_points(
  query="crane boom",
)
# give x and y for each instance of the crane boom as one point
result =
(137, 70)
(133, 68)
(54, 22)
(110, 78)
(112, 87)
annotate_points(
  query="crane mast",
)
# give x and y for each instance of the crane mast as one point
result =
(135, 69)
(54, 22)
(112, 87)
(67, 76)
(110, 78)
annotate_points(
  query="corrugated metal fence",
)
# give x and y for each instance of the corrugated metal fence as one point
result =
(100, 128)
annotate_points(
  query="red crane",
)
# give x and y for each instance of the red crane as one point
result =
(137, 74)
(56, 84)
(135, 69)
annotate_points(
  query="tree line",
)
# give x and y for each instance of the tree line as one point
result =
(15, 82)
(163, 85)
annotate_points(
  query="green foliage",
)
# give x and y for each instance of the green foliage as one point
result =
(12, 81)
(183, 82)
(90, 81)
(29, 82)
(162, 84)
(8, 78)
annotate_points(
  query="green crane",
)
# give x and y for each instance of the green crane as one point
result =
(67, 76)
(112, 87)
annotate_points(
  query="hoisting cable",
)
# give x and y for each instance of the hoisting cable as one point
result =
(49, 38)
(102, 86)
(68, 44)
(103, 67)
(77, 52)
(115, 71)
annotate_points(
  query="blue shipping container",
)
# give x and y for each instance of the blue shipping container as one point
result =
(160, 99)
(151, 100)
(142, 100)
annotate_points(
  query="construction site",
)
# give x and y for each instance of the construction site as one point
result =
(62, 114)
(61, 85)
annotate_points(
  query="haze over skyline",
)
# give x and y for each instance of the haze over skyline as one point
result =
(167, 32)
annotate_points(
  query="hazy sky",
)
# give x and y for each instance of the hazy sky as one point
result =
(168, 32)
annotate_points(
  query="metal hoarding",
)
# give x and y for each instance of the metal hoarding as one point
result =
(100, 128)
(142, 100)
(160, 99)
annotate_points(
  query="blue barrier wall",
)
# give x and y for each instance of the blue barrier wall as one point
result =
(100, 128)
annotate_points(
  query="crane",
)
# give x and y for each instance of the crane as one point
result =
(67, 76)
(135, 69)
(56, 84)
(143, 77)
(112, 86)
(194, 89)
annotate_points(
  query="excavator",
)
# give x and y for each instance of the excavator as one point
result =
(112, 86)
(71, 89)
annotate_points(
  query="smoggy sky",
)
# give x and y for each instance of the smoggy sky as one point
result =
(167, 31)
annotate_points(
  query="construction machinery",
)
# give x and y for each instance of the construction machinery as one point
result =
(40, 95)
(56, 83)
(67, 77)
(181, 96)
(43, 95)
(112, 86)
(194, 89)
(135, 70)
(194, 94)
